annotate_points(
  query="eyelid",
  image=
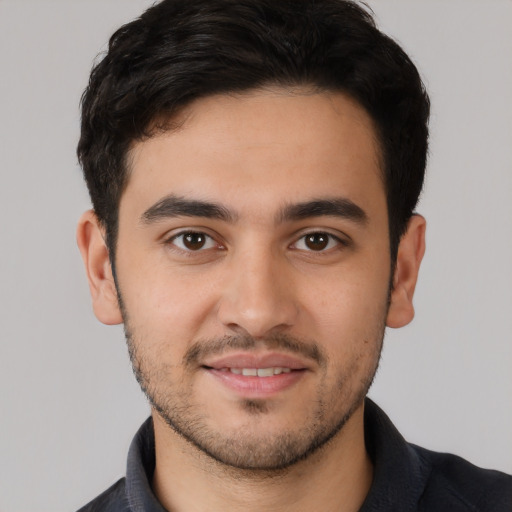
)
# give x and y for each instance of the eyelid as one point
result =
(341, 241)
(169, 240)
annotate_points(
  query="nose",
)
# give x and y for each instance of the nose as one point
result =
(258, 295)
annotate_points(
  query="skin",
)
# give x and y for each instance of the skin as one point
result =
(255, 287)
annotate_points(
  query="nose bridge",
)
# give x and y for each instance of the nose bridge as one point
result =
(258, 293)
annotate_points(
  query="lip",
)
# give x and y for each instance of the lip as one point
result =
(256, 387)
(255, 360)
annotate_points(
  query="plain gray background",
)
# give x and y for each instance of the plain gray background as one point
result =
(69, 405)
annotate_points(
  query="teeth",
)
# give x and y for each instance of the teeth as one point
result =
(259, 372)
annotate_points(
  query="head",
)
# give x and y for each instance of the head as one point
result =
(254, 167)
(179, 51)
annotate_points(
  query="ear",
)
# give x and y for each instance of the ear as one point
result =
(91, 242)
(410, 254)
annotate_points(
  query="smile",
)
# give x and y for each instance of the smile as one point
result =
(250, 382)
(257, 372)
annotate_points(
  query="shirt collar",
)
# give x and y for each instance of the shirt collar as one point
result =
(399, 475)
(140, 469)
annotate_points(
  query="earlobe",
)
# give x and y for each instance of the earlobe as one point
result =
(410, 254)
(91, 242)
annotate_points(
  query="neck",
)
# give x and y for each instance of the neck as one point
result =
(336, 477)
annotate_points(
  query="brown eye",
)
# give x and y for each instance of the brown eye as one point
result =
(317, 241)
(193, 241)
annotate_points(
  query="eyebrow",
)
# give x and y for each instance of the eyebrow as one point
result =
(333, 207)
(176, 206)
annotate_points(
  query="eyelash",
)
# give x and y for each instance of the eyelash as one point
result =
(339, 242)
(209, 240)
(330, 239)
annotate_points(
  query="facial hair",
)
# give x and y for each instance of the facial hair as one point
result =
(173, 399)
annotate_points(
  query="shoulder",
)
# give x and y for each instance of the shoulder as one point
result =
(456, 484)
(112, 500)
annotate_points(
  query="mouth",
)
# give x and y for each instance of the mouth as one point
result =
(257, 376)
(255, 372)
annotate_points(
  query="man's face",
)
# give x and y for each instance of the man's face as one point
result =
(253, 268)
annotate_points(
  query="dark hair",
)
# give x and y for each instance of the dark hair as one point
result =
(182, 50)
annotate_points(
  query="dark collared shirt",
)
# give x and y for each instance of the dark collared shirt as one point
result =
(406, 477)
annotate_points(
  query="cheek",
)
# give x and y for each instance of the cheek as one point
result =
(353, 306)
(349, 308)
(166, 305)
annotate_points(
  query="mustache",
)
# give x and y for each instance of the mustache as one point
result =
(283, 342)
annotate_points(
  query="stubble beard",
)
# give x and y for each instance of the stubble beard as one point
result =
(240, 450)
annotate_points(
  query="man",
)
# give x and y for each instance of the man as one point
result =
(254, 168)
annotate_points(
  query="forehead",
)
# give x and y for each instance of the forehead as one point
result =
(280, 145)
